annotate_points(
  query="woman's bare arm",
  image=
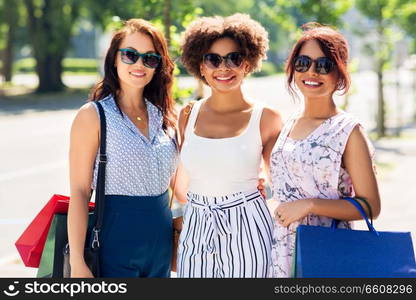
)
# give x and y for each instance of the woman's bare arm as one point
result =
(84, 141)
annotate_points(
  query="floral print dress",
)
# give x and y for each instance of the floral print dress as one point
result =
(308, 168)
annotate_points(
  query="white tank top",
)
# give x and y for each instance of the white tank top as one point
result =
(223, 166)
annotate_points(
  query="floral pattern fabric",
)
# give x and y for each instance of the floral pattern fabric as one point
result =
(308, 168)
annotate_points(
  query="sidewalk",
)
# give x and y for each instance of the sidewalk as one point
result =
(396, 165)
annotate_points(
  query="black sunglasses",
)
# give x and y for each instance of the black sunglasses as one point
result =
(130, 56)
(232, 60)
(323, 65)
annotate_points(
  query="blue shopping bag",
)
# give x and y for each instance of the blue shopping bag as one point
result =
(334, 252)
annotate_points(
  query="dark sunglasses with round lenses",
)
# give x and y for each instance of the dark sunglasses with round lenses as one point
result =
(131, 56)
(232, 60)
(323, 65)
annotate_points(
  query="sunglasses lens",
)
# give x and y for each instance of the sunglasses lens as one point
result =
(212, 60)
(151, 60)
(324, 65)
(129, 57)
(234, 59)
(302, 63)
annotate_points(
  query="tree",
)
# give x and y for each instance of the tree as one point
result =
(406, 18)
(323, 11)
(380, 12)
(10, 16)
(50, 27)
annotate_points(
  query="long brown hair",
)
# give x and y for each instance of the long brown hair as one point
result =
(159, 90)
(332, 43)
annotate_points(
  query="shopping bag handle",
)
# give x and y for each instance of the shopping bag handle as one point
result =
(362, 212)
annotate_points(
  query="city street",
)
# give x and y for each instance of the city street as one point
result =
(34, 139)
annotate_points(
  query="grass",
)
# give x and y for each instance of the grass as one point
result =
(70, 65)
(385, 166)
(21, 94)
(391, 136)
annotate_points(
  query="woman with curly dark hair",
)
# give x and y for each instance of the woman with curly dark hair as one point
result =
(227, 228)
(322, 154)
(135, 94)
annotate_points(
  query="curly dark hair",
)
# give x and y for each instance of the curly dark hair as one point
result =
(250, 35)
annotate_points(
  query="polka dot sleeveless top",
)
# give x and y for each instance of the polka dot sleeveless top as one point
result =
(137, 165)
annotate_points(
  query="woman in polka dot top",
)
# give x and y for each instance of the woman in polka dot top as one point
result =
(136, 236)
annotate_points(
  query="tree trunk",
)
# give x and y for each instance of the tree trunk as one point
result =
(49, 70)
(414, 92)
(50, 37)
(381, 129)
(167, 19)
(381, 111)
(10, 17)
(399, 115)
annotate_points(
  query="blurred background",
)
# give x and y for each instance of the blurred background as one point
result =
(51, 54)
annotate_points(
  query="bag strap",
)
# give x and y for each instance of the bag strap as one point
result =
(100, 187)
(187, 112)
(358, 206)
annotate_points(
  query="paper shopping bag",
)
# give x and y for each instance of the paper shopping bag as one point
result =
(30, 244)
(32, 241)
(51, 263)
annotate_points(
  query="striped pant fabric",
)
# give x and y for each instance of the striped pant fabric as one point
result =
(225, 237)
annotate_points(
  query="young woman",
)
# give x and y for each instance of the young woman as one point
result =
(227, 228)
(322, 153)
(136, 237)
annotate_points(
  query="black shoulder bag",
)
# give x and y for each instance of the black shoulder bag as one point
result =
(92, 248)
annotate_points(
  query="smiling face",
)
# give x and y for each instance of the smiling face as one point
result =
(225, 78)
(310, 83)
(135, 76)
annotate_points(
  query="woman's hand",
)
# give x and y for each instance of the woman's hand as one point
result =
(177, 224)
(289, 212)
(81, 270)
(261, 187)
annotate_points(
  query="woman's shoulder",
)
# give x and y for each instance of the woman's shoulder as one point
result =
(343, 117)
(87, 115)
(186, 109)
(270, 116)
(270, 123)
(270, 113)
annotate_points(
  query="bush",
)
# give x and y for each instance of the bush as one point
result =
(74, 65)
(268, 68)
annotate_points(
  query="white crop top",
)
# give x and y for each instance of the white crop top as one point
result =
(223, 166)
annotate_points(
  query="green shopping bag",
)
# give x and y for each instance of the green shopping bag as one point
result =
(52, 260)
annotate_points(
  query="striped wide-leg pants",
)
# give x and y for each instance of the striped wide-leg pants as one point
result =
(223, 237)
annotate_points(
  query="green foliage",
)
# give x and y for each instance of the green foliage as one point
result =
(405, 15)
(73, 65)
(323, 11)
(180, 94)
(382, 15)
(268, 68)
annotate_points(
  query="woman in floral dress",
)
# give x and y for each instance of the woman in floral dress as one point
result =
(322, 153)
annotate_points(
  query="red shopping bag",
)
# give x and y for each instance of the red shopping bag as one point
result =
(32, 241)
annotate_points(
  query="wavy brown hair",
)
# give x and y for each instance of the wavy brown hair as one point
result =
(250, 35)
(332, 43)
(159, 90)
